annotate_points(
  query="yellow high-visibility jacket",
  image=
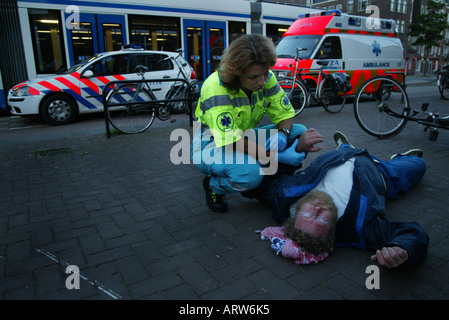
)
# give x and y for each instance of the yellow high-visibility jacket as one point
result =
(228, 114)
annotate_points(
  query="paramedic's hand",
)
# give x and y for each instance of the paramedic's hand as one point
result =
(276, 142)
(290, 156)
(390, 257)
(308, 139)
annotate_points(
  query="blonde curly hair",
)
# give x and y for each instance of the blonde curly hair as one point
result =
(244, 51)
(314, 245)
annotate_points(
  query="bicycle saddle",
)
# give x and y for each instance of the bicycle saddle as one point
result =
(323, 62)
(140, 68)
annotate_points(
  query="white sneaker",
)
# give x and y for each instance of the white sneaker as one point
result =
(411, 152)
(340, 139)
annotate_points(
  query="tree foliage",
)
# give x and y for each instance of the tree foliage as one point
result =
(428, 27)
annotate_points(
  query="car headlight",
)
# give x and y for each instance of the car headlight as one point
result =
(20, 91)
(282, 74)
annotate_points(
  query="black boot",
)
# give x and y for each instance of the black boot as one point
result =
(215, 202)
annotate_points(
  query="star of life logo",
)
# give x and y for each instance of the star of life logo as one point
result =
(225, 121)
(285, 102)
(376, 48)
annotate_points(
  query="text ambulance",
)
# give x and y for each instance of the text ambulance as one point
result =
(363, 47)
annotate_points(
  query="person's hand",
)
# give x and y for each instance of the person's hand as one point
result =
(277, 142)
(308, 139)
(290, 156)
(390, 257)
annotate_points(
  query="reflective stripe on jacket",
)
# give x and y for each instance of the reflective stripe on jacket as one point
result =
(229, 114)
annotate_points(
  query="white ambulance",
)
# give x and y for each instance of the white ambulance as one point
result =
(363, 47)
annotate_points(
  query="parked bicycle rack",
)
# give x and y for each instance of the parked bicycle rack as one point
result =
(105, 92)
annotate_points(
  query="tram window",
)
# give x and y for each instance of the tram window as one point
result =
(275, 31)
(82, 41)
(236, 29)
(47, 40)
(112, 35)
(155, 32)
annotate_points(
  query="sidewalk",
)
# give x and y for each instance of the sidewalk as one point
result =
(137, 226)
(420, 79)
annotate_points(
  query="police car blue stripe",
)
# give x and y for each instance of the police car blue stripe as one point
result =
(80, 99)
(93, 93)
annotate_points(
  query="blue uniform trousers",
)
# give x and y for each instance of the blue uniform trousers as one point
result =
(233, 171)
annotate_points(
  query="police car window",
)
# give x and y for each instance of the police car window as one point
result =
(330, 48)
(154, 61)
(110, 65)
(286, 48)
(78, 66)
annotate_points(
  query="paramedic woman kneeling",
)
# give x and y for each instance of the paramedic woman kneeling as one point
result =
(228, 147)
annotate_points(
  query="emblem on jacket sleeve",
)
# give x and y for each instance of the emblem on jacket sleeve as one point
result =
(225, 121)
(285, 102)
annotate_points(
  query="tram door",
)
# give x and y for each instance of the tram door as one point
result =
(205, 42)
(94, 33)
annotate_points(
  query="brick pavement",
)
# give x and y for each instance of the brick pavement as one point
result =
(138, 228)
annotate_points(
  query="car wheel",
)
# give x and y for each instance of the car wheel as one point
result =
(58, 109)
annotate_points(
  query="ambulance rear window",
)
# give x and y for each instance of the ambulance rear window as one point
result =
(286, 48)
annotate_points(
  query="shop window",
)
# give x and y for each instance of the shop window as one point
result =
(46, 32)
(155, 33)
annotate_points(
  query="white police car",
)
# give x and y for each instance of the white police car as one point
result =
(59, 98)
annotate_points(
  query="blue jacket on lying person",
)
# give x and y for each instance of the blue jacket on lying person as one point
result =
(359, 185)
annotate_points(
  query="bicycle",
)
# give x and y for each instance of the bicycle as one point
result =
(181, 90)
(329, 89)
(132, 106)
(443, 82)
(382, 109)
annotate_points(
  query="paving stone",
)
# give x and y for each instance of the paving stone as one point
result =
(139, 225)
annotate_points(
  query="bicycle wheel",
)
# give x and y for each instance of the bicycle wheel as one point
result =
(443, 86)
(127, 111)
(176, 93)
(333, 101)
(385, 115)
(195, 92)
(296, 93)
